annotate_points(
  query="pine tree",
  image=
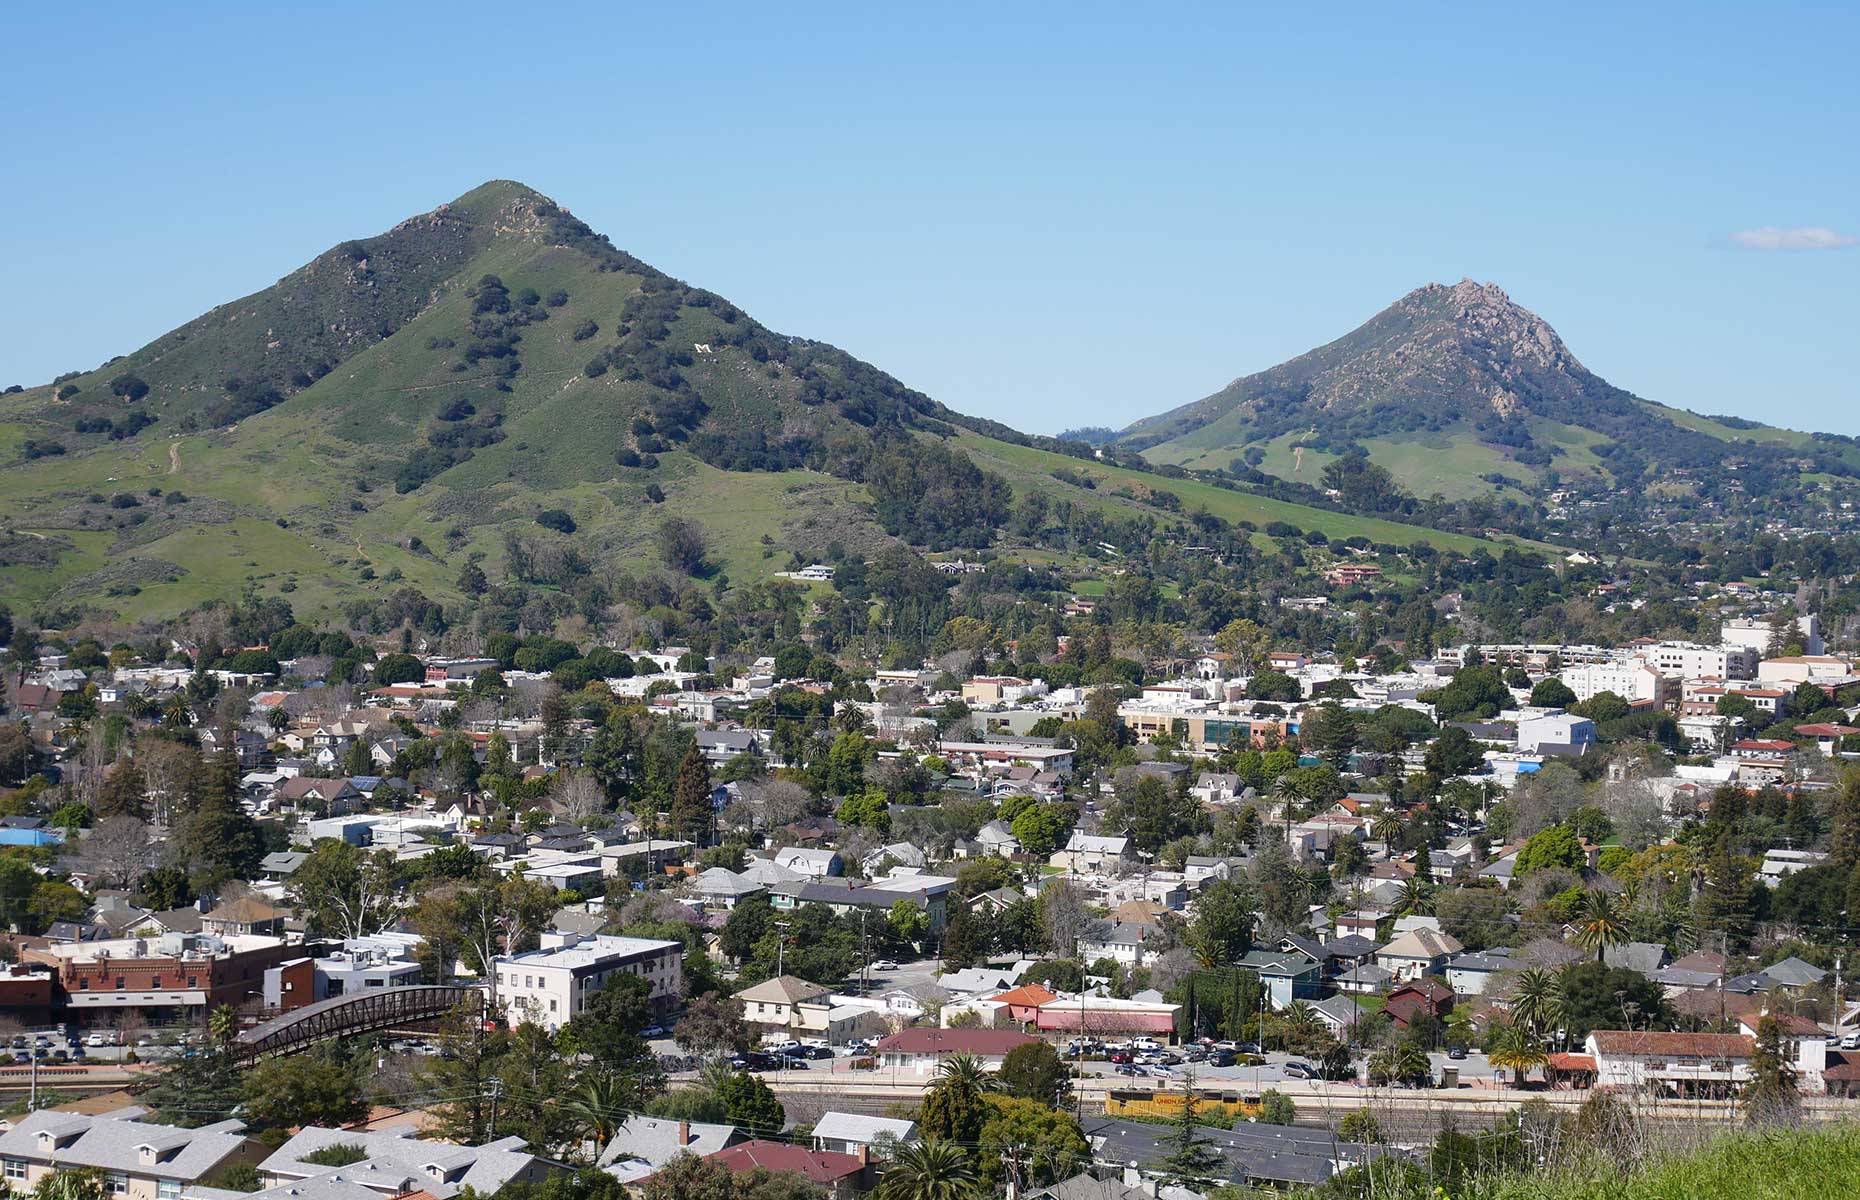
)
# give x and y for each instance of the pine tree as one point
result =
(1192, 1161)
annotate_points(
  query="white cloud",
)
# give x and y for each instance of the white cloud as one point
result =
(1802, 237)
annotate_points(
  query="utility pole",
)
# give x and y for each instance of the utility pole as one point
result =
(497, 1087)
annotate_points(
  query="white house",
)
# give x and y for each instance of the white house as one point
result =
(1418, 952)
(1092, 853)
(818, 864)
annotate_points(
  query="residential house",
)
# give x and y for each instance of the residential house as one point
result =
(786, 1002)
(1133, 945)
(1287, 976)
(1474, 973)
(1424, 999)
(815, 864)
(1094, 854)
(1418, 952)
(651, 1142)
(137, 1160)
(244, 917)
(839, 1175)
(397, 1163)
(851, 1133)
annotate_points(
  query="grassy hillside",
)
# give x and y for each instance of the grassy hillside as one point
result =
(1452, 388)
(403, 405)
(1745, 1166)
(1027, 466)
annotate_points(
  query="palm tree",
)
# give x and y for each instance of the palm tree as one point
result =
(965, 1071)
(1300, 1021)
(1386, 827)
(1288, 791)
(1417, 898)
(597, 1107)
(1518, 1050)
(929, 1170)
(1601, 922)
(1537, 999)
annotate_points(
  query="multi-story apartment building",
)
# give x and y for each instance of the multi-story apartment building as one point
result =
(550, 985)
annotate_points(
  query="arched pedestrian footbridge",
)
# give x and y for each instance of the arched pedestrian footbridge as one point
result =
(368, 1011)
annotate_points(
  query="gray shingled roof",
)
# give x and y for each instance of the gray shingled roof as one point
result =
(110, 1144)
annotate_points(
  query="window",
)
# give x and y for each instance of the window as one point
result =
(119, 983)
(15, 1168)
(167, 1189)
(552, 1006)
(155, 983)
(117, 1182)
(193, 981)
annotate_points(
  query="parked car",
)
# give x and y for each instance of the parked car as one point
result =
(1299, 1070)
(1121, 1056)
(1456, 1052)
(792, 1062)
(1220, 1058)
(1127, 1069)
(1229, 1046)
(1247, 1048)
(1851, 1042)
(653, 1031)
(98, 1038)
(884, 964)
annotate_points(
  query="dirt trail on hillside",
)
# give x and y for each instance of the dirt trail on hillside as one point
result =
(174, 457)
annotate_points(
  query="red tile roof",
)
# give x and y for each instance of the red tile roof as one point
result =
(1673, 1045)
(816, 1166)
(1571, 1062)
(931, 1040)
(1027, 995)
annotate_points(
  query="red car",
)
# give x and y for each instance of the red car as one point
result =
(1120, 1056)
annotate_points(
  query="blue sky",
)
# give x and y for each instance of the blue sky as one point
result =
(1055, 215)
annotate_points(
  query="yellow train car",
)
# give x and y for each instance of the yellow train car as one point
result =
(1151, 1102)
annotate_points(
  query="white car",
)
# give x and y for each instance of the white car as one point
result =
(1851, 1042)
(98, 1039)
(884, 964)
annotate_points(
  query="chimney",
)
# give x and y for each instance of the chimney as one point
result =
(865, 1155)
(684, 1134)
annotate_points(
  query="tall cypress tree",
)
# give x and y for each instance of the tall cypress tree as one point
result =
(691, 806)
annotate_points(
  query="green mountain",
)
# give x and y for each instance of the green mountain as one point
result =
(1458, 390)
(409, 404)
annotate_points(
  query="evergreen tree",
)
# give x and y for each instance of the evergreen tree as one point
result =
(1844, 823)
(203, 1089)
(1725, 902)
(221, 838)
(964, 938)
(1192, 1161)
(1771, 1096)
(125, 792)
(691, 806)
